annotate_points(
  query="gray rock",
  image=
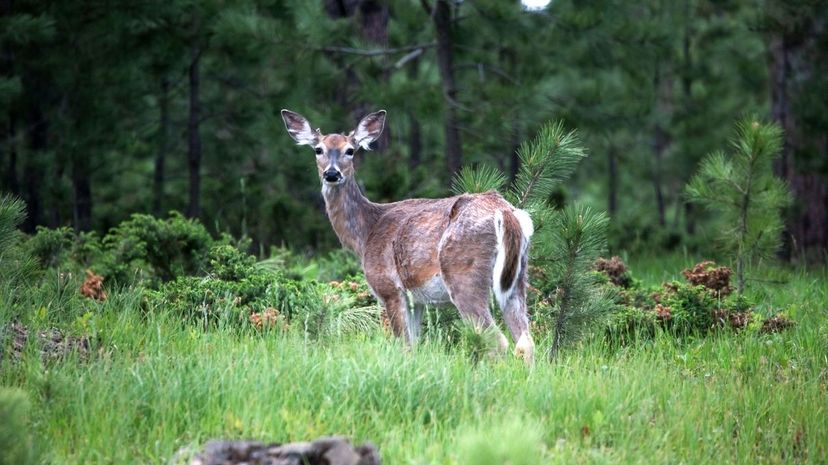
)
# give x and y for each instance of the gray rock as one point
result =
(324, 451)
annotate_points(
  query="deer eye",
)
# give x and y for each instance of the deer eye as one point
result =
(319, 150)
(349, 152)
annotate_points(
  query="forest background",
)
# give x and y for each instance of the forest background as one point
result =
(150, 106)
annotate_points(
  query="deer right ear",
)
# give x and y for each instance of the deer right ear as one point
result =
(299, 128)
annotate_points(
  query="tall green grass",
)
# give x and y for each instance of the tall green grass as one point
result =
(155, 386)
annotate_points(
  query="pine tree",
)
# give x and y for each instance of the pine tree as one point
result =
(741, 188)
(567, 241)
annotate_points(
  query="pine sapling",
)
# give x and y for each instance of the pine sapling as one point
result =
(741, 187)
(565, 243)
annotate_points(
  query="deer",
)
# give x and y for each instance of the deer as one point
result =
(418, 252)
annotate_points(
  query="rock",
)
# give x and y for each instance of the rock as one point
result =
(324, 451)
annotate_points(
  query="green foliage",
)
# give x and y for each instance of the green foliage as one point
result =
(171, 247)
(482, 178)
(545, 162)
(515, 441)
(567, 247)
(12, 213)
(235, 288)
(51, 247)
(742, 189)
(18, 264)
(16, 447)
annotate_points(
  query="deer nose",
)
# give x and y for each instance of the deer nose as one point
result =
(332, 175)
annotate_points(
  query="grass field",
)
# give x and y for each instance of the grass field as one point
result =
(154, 386)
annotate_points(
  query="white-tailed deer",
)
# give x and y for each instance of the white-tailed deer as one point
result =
(435, 251)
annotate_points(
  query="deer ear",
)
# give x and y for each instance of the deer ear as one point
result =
(299, 128)
(369, 129)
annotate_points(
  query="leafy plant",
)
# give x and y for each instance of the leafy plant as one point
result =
(741, 187)
(16, 445)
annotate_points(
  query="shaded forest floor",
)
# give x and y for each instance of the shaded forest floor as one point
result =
(146, 387)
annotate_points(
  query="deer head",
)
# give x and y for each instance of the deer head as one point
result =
(335, 152)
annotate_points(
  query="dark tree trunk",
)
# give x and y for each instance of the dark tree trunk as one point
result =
(778, 74)
(8, 139)
(373, 24)
(194, 137)
(687, 87)
(443, 24)
(163, 147)
(341, 8)
(38, 135)
(8, 131)
(82, 187)
(806, 228)
(612, 181)
(414, 141)
(514, 155)
(661, 139)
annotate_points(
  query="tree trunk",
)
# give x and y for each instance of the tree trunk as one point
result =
(612, 181)
(373, 25)
(442, 22)
(8, 131)
(8, 140)
(194, 137)
(662, 87)
(82, 187)
(38, 135)
(163, 147)
(806, 228)
(415, 142)
(687, 88)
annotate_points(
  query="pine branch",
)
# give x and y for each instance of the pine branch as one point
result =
(12, 214)
(546, 161)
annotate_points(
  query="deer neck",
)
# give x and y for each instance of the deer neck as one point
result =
(352, 215)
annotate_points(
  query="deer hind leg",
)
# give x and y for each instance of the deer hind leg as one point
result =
(517, 319)
(415, 320)
(467, 272)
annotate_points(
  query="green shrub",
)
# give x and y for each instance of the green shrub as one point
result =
(51, 247)
(234, 288)
(16, 447)
(165, 248)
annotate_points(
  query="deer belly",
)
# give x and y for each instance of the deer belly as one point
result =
(432, 292)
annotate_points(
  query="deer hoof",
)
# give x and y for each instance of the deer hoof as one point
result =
(525, 348)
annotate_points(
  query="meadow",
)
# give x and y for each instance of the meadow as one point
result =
(153, 388)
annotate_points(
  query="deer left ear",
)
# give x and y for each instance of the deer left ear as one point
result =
(369, 129)
(299, 128)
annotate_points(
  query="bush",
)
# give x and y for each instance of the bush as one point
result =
(698, 307)
(235, 291)
(51, 247)
(169, 248)
(15, 441)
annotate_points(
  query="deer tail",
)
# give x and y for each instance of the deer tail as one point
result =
(513, 229)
